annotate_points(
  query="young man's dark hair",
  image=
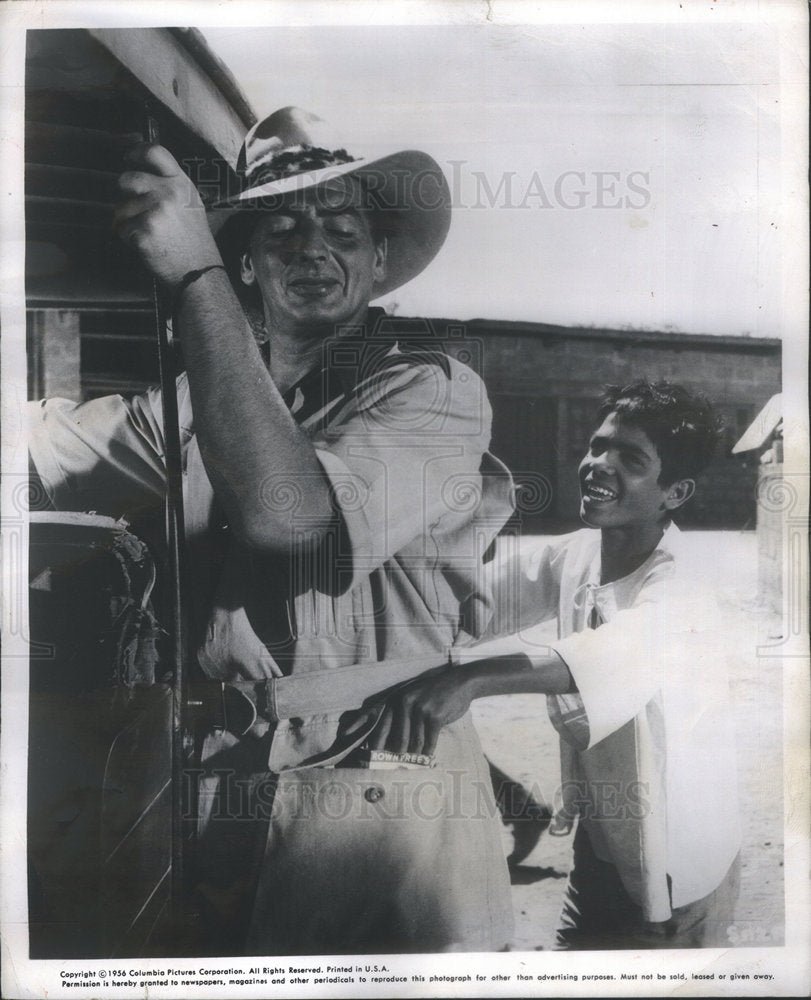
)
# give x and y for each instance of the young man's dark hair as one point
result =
(682, 425)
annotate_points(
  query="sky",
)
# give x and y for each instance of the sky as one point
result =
(616, 175)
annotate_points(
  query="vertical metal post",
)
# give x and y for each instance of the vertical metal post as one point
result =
(175, 538)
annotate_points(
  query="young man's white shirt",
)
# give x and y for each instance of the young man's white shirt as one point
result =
(647, 743)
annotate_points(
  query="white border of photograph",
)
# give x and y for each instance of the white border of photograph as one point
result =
(549, 973)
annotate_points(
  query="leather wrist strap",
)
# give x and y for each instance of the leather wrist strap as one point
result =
(189, 278)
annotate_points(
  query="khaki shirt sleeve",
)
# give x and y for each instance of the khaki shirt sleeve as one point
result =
(105, 455)
(404, 462)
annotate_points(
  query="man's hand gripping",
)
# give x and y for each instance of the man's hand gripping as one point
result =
(162, 217)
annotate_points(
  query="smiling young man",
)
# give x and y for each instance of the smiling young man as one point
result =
(636, 685)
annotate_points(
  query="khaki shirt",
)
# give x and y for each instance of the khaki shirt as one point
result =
(402, 438)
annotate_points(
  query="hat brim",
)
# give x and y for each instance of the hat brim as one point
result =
(407, 187)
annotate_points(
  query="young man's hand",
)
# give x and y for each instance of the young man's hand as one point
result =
(162, 217)
(415, 714)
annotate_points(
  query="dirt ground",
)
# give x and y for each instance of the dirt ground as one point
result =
(519, 740)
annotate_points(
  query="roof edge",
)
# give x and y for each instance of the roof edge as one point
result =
(194, 41)
(506, 327)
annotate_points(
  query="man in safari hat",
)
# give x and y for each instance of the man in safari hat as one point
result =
(339, 497)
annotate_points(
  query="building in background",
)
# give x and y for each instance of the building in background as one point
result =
(545, 381)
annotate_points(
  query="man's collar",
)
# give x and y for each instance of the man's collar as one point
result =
(361, 351)
(335, 372)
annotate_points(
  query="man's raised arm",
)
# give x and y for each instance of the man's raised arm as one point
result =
(245, 431)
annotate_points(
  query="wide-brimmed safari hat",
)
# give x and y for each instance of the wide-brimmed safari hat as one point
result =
(294, 151)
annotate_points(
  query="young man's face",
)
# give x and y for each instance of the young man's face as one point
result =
(619, 476)
(315, 259)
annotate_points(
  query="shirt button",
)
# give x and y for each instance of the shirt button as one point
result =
(374, 793)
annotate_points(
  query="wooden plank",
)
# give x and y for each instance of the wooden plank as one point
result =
(71, 146)
(80, 266)
(48, 181)
(114, 383)
(69, 61)
(69, 212)
(76, 289)
(194, 41)
(174, 78)
(56, 353)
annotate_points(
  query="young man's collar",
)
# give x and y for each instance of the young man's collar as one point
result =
(670, 538)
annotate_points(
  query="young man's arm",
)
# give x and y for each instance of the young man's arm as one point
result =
(614, 670)
(514, 657)
(412, 722)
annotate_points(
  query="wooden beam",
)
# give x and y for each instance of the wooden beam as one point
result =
(169, 72)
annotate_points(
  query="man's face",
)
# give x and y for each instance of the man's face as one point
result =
(619, 476)
(314, 259)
